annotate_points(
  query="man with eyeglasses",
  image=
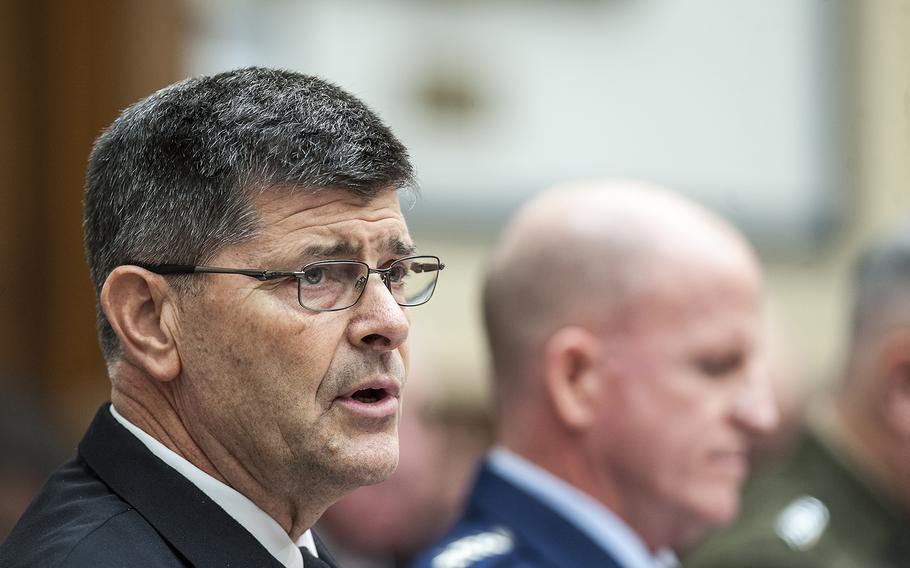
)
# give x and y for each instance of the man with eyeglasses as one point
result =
(624, 324)
(254, 273)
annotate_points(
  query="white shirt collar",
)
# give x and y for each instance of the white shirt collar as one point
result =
(580, 509)
(263, 527)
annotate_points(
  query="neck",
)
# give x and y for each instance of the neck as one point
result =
(154, 408)
(657, 527)
(528, 428)
(657, 523)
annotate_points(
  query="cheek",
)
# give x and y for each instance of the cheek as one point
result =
(299, 353)
(669, 455)
(709, 502)
(691, 478)
(668, 427)
(688, 436)
(255, 346)
(405, 351)
(668, 421)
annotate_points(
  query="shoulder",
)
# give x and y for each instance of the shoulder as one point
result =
(123, 536)
(478, 545)
(795, 515)
(506, 526)
(789, 537)
(75, 520)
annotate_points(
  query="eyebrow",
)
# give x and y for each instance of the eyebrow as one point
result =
(348, 250)
(336, 250)
(400, 247)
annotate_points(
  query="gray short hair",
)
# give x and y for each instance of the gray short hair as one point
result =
(881, 281)
(172, 179)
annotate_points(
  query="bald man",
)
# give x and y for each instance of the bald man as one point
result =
(842, 497)
(624, 324)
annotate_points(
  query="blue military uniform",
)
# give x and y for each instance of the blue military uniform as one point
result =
(504, 526)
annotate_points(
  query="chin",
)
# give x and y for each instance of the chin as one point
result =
(718, 508)
(702, 518)
(372, 462)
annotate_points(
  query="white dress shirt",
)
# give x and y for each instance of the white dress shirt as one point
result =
(263, 527)
(580, 509)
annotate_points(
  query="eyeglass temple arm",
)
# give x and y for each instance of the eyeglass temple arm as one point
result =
(191, 269)
(257, 274)
(428, 267)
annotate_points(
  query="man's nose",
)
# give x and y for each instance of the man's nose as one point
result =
(380, 323)
(756, 406)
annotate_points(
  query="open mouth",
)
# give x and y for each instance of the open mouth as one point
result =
(377, 399)
(369, 396)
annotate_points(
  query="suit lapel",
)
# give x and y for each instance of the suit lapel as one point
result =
(323, 552)
(538, 526)
(182, 514)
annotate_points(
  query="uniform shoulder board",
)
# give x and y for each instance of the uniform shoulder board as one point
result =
(473, 548)
(802, 522)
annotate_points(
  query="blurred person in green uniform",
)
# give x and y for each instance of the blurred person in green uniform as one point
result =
(842, 498)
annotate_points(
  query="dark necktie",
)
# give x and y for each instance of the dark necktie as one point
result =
(310, 561)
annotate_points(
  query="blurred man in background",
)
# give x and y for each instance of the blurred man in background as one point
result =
(624, 324)
(234, 225)
(843, 497)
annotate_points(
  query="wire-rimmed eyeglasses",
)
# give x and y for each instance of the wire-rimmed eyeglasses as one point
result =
(332, 285)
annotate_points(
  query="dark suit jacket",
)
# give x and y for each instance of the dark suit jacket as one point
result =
(117, 504)
(503, 526)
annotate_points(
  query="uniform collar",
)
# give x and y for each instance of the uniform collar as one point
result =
(185, 517)
(263, 527)
(600, 524)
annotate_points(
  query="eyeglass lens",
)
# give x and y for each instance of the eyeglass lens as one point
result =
(336, 285)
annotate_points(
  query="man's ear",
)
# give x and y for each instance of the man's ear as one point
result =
(136, 303)
(572, 375)
(896, 388)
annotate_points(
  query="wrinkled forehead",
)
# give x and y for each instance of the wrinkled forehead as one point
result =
(329, 224)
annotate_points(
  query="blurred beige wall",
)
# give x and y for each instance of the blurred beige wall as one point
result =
(69, 67)
(809, 296)
(813, 297)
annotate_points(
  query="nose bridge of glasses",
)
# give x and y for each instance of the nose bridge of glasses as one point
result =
(383, 274)
(362, 279)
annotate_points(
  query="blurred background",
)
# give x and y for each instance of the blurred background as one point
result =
(790, 117)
